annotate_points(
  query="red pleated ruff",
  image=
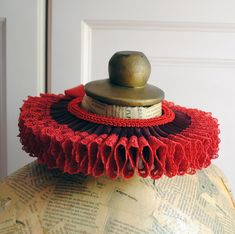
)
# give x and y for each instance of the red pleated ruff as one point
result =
(119, 152)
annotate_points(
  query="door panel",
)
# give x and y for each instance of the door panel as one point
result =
(24, 22)
(190, 45)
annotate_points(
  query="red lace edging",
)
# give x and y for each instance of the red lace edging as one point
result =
(58, 146)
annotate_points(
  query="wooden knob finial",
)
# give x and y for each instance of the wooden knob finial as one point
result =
(129, 69)
(127, 84)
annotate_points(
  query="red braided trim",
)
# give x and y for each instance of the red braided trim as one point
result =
(74, 108)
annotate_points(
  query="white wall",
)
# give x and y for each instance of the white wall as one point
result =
(190, 45)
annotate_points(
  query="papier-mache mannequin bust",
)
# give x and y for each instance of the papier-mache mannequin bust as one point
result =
(115, 157)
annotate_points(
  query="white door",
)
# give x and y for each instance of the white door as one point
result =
(21, 72)
(190, 44)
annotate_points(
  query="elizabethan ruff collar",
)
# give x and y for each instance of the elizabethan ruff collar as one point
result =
(63, 131)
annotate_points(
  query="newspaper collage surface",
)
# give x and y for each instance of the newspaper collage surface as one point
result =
(37, 200)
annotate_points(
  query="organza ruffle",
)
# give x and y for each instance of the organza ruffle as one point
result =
(61, 140)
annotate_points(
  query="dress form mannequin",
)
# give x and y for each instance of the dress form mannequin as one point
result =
(35, 199)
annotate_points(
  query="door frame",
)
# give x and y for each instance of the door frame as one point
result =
(48, 43)
(3, 119)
